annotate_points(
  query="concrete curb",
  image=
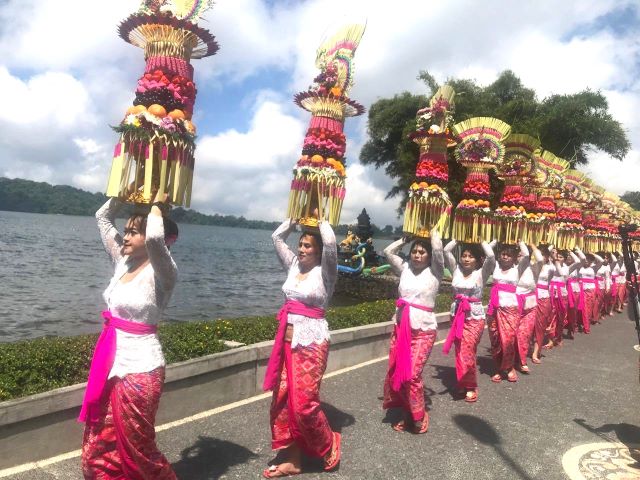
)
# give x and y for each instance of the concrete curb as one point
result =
(28, 425)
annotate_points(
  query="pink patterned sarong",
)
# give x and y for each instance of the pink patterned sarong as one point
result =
(544, 320)
(410, 396)
(503, 327)
(466, 354)
(121, 444)
(296, 414)
(526, 327)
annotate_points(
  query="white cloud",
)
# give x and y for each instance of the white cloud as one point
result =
(65, 76)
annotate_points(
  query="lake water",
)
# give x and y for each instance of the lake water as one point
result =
(53, 270)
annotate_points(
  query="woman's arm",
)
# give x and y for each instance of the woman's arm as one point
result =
(437, 255)
(525, 261)
(537, 267)
(598, 263)
(164, 268)
(576, 262)
(449, 259)
(329, 260)
(489, 264)
(279, 238)
(111, 238)
(391, 252)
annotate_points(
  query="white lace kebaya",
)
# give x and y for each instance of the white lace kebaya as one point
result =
(313, 290)
(143, 299)
(420, 289)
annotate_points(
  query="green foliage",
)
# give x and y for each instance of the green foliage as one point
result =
(632, 198)
(567, 125)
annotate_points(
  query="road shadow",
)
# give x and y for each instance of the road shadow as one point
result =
(447, 376)
(624, 433)
(209, 458)
(486, 365)
(484, 433)
(394, 415)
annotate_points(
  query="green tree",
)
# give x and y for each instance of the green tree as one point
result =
(567, 125)
(632, 198)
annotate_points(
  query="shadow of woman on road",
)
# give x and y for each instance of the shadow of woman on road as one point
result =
(209, 458)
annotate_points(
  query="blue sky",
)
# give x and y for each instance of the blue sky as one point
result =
(65, 76)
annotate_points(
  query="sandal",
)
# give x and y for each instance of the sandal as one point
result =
(524, 369)
(471, 396)
(399, 427)
(512, 376)
(422, 426)
(537, 361)
(333, 461)
(497, 378)
(274, 472)
(548, 346)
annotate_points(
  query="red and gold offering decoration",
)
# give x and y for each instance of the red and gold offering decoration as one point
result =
(569, 228)
(516, 168)
(319, 175)
(546, 184)
(429, 205)
(156, 147)
(479, 149)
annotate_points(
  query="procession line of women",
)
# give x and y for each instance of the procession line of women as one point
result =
(530, 305)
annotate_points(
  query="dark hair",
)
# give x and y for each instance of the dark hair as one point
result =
(316, 236)
(564, 253)
(544, 250)
(475, 250)
(140, 220)
(420, 242)
(510, 248)
(589, 256)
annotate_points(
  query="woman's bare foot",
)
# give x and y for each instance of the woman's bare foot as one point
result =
(292, 465)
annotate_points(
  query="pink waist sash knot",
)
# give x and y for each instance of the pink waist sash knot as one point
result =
(102, 361)
(403, 365)
(457, 325)
(271, 376)
(582, 282)
(570, 291)
(494, 301)
(522, 299)
(555, 293)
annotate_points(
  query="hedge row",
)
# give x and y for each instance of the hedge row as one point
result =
(35, 366)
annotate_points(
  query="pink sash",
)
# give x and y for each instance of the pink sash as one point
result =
(522, 299)
(103, 357)
(403, 369)
(494, 301)
(570, 291)
(457, 326)
(555, 292)
(582, 282)
(272, 376)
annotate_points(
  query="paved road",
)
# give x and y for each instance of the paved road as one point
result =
(583, 393)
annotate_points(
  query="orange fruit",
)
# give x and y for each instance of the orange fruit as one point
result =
(177, 114)
(157, 110)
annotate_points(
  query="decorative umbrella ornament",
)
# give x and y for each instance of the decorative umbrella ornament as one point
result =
(516, 168)
(156, 147)
(319, 175)
(480, 148)
(569, 228)
(429, 205)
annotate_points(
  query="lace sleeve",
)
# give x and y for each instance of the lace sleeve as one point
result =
(164, 268)
(449, 258)
(329, 260)
(526, 260)
(391, 252)
(437, 254)
(283, 251)
(489, 264)
(111, 238)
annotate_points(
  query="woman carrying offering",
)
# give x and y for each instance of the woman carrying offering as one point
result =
(415, 328)
(544, 309)
(590, 264)
(573, 287)
(603, 277)
(467, 312)
(528, 301)
(299, 356)
(559, 296)
(503, 314)
(127, 370)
